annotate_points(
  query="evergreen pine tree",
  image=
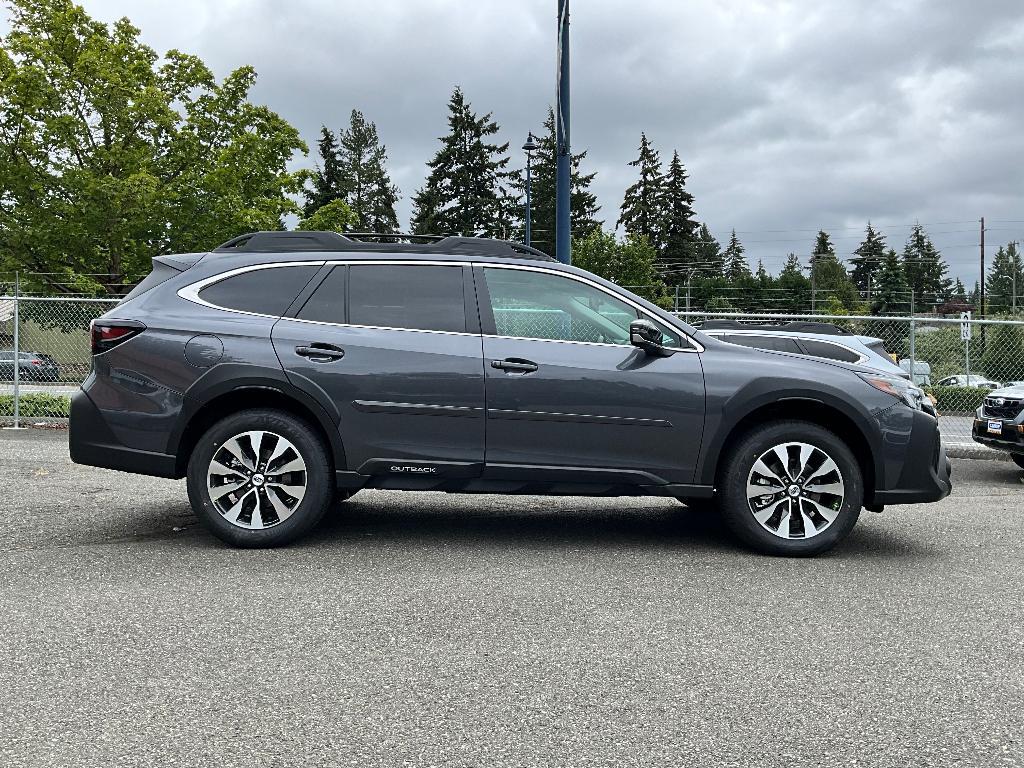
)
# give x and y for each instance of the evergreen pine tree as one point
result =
(583, 207)
(468, 190)
(368, 188)
(794, 286)
(327, 180)
(707, 251)
(641, 212)
(925, 270)
(736, 265)
(891, 296)
(999, 283)
(763, 278)
(867, 260)
(679, 228)
(823, 245)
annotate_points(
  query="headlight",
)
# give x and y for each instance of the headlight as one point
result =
(901, 389)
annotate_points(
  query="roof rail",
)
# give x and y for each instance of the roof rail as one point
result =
(796, 326)
(379, 241)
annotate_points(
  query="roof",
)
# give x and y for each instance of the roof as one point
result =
(797, 326)
(368, 242)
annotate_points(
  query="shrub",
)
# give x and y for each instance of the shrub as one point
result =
(36, 405)
(957, 399)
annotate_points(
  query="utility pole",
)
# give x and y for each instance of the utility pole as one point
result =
(981, 309)
(813, 280)
(1013, 275)
(563, 237)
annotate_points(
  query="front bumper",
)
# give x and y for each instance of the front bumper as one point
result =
(925, 471)
(1011, 437)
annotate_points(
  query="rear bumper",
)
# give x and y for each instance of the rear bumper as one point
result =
(92, 443)
(926, 473)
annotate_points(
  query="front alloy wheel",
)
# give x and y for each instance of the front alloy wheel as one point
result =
(795, 490)
(790, 488)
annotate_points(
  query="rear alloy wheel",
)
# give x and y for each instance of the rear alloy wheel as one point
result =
(792, 489)
(259, 478)
(1018, 459)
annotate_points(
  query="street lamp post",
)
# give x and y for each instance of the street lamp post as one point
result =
(528, 148)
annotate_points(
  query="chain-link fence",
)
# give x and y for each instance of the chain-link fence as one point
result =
(44, 354)
(958, 363)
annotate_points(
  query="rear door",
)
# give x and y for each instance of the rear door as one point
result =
(393, 346)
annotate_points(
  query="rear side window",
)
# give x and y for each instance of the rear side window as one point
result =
(829, 351)
(261, 291)
(423, 298)
(776, 343)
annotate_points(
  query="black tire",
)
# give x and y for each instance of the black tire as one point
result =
(318, 478)
(1018, 459)
(736, 509)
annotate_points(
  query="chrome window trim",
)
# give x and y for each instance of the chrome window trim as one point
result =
(191, 293)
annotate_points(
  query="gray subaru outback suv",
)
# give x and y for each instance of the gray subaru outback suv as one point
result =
(284, 371)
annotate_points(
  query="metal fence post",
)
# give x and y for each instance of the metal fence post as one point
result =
(17, 356)
(913, 357)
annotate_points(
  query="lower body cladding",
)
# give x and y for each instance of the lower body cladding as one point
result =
(470, 477)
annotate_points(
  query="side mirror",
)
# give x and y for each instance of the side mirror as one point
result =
(647, 336)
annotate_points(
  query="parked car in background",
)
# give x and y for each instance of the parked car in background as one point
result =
(999, 422)
(980, 381)
(922, 372)
(33, 366)
(822, 340)
(285, 370)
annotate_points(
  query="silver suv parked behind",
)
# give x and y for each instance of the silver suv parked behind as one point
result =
(284, 370)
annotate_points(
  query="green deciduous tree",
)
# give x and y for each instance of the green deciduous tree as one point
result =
(641, 212)
(630, 263)
(468, 189)
(583, 207)
(110, 157)
(335, 216)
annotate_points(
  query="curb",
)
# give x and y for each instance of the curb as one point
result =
(974, 451)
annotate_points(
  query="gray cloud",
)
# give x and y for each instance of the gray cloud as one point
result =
(790, 116)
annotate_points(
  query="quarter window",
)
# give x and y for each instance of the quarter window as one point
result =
(261, 291)
(426, 298)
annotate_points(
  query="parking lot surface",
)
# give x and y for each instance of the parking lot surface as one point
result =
(426, 629)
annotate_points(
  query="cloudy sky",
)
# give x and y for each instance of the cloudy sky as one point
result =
(790, 116)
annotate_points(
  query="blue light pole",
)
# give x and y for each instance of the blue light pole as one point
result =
(563, 239)
(528, 148)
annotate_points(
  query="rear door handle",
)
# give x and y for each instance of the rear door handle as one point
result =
(321, 353)
(515, 364)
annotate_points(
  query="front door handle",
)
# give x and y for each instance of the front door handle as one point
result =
(515, 364)
(320, 353)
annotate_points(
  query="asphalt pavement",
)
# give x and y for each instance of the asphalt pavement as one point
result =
(435, 630)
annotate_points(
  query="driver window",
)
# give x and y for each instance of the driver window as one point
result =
(538, 305)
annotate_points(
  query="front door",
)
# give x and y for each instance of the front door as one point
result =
(567, 392)
(392, 346)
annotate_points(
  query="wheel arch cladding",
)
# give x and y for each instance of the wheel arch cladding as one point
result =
(810, 410)
(219, 405)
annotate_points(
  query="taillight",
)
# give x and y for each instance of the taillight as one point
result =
(107, 334)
